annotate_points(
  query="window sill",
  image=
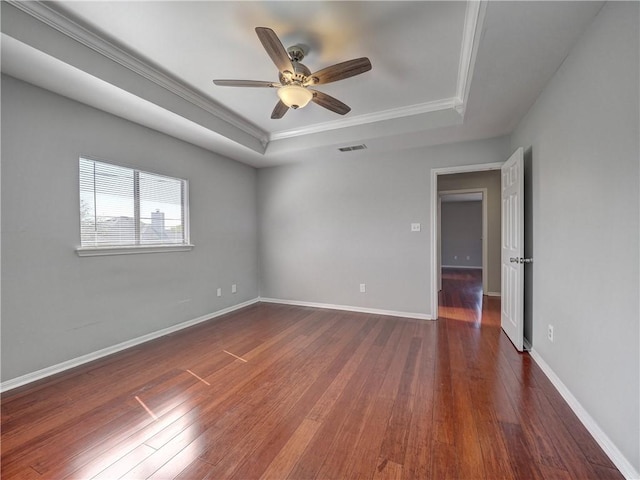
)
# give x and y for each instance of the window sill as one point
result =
(128, 250)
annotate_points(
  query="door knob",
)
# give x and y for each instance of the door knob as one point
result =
(520, 260)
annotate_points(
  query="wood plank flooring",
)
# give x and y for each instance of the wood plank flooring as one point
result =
(282, 392)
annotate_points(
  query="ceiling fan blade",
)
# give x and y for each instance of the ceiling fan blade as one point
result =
(246, 83)
(274, 48)
(279, 111)
(340, 71)
(330, 103)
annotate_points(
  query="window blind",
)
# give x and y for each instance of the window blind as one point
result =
(120, 206)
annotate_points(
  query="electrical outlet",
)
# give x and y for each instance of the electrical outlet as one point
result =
(363, 287)
(234, 288)
(415, 227)
(219, 292)
(550, 333)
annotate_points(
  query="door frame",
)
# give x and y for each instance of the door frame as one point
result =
(435, 230)
(483, 191)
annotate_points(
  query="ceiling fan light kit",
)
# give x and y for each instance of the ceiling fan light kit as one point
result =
(295, 78)
(294, 96)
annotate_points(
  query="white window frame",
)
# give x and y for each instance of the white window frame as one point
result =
(90, 251)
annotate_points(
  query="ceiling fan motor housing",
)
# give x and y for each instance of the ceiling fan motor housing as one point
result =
(299, 75)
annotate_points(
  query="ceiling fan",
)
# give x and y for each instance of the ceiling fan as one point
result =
(295, 78)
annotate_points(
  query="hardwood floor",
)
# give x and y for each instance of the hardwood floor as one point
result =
(278, 392)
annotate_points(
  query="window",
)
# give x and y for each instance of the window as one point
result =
(123, 210)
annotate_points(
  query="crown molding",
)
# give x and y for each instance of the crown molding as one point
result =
(474, 17)
(444, 104)
(471, 34)
(77, 32)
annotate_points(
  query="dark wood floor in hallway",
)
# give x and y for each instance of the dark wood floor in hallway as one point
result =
(274, 391)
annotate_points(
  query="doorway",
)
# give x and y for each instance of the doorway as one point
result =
(439, 174)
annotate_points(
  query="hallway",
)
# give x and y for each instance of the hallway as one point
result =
(461, 298)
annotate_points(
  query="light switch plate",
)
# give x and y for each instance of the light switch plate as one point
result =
(415, 227)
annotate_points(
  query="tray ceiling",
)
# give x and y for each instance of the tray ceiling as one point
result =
(442, 71)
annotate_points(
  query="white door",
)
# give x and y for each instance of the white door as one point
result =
(513, 248)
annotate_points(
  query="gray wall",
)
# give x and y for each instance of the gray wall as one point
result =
(491, 181)
(461, 230)
(583, 136)
(57, 306)
(327, 226)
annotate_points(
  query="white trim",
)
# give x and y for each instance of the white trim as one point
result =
(434, 220)
(435, 230)
(493, 294)
(348, 308)
(473, 22)
(616, 456)
(133, 249)
(420, 108)
(461, 267)
(481, 167)
(71, 29)
(75, 362)
(439, 235)
(527, 345)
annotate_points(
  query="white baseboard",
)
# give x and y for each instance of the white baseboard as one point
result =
(75, 362)
(493, 294)
(616, 456)
(462, 267)
(348, 308)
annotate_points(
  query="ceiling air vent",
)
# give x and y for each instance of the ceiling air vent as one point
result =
(352, 148)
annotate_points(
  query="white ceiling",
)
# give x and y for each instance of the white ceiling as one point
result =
(442, 71)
